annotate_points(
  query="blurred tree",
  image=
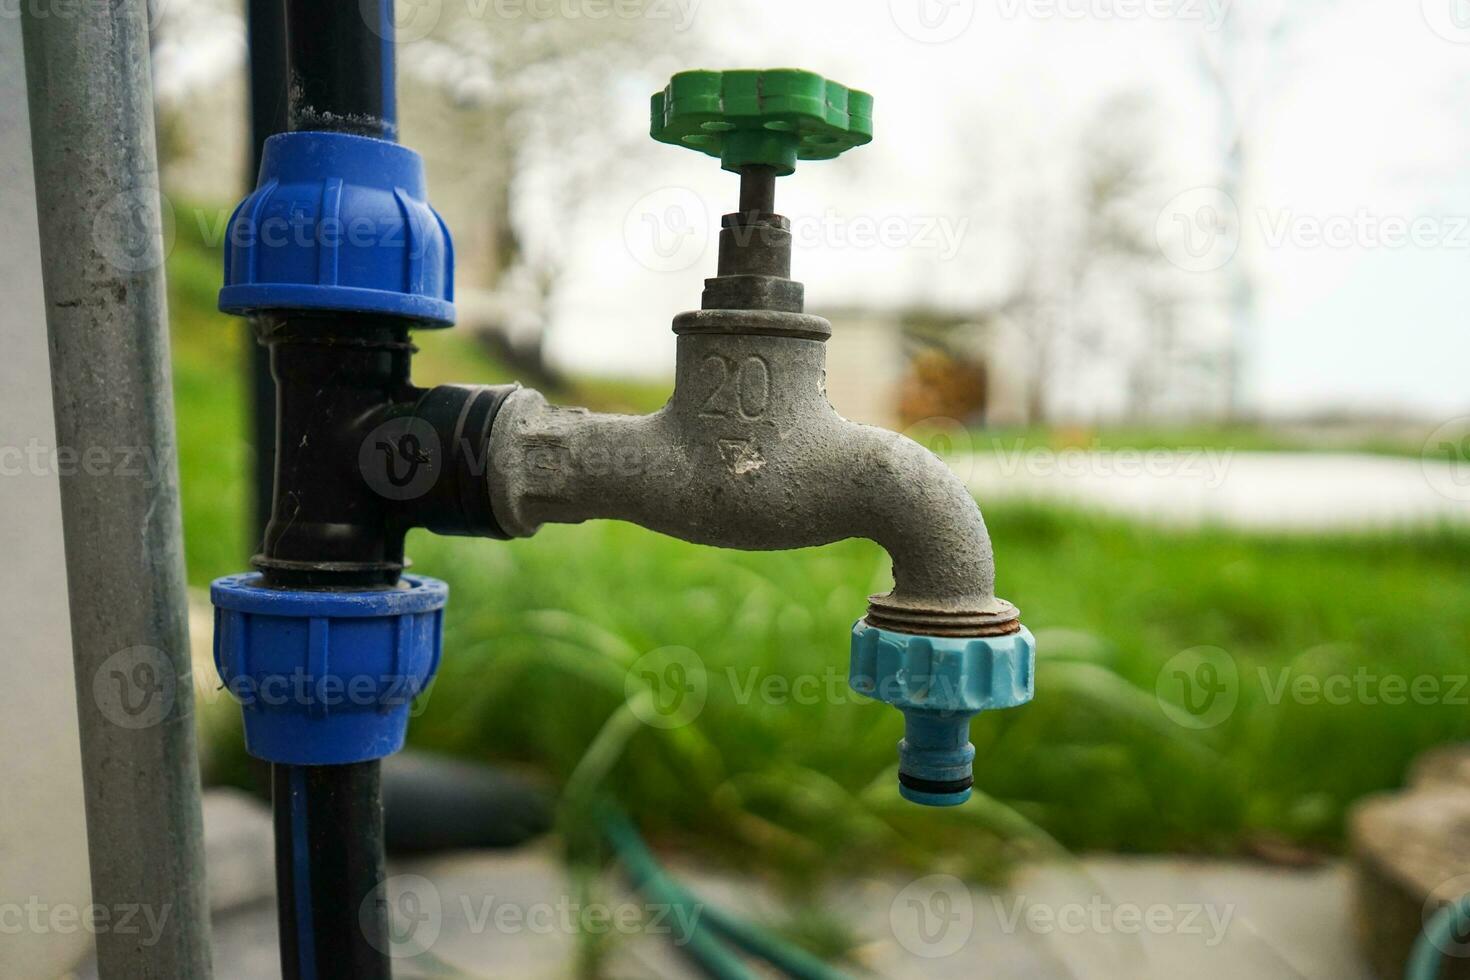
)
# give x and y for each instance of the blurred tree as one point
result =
(1092, 300)
(534, 93)
(198, 95)
(1242, 62)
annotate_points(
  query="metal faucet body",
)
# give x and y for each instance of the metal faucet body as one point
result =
(749, 454)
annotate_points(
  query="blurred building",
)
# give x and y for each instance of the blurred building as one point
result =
(882, 371)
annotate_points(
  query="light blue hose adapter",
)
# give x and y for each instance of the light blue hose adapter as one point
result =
(940, 683)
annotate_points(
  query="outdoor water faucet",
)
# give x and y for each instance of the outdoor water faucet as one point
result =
(749, 454)
(746, 454)
(337, 257)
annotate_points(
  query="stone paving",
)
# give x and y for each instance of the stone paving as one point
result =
(506, 914)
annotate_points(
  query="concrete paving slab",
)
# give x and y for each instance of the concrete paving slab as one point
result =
(516, 915)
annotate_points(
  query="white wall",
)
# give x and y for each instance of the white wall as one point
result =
(43, 847)
(865, 367)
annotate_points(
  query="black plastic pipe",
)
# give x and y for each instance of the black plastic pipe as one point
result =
(334, 374)
(352, 431)
(329, 871)
(360, 455)
(266, 26)
(341, 67)
(336, 74)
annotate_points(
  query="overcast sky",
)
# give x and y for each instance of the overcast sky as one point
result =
(1355, 214)
(1354, 217)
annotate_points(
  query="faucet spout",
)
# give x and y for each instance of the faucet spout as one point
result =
(749, 454)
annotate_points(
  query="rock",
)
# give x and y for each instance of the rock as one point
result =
(1411, 853)
(239, 850)
(1446, 765)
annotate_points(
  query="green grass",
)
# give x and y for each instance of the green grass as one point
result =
(543, 633)
(544, 639)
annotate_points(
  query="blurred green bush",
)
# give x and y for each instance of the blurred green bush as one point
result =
(548, 640)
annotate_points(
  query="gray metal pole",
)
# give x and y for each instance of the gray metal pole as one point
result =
(102, 254)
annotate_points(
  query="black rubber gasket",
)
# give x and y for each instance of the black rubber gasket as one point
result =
(936, 786)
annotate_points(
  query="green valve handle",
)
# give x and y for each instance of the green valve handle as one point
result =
(765, 118)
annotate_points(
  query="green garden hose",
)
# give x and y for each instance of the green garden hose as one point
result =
(704, 946)
(1427, 957)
